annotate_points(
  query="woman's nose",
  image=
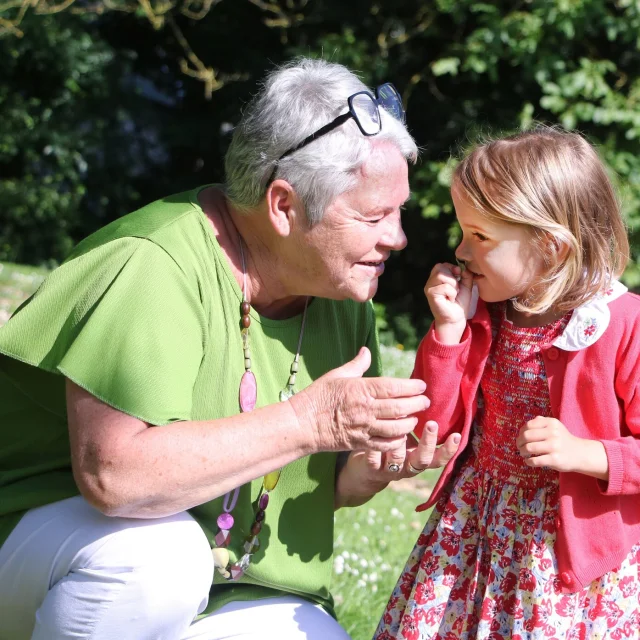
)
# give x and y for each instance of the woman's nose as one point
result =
(394, 237)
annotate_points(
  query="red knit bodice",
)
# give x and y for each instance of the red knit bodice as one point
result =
(513, 391)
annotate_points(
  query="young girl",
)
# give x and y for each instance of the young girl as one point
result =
(536, 527)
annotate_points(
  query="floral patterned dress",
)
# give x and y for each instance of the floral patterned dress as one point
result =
(484, 566)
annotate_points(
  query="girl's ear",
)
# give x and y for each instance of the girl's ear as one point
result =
(556, 249)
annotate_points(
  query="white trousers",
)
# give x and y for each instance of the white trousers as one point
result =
(68, 571)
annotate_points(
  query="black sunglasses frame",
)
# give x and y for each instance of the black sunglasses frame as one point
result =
(341, 119)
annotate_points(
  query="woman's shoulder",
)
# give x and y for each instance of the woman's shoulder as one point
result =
(164, 222)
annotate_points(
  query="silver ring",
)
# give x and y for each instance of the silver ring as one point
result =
(394, 467)
(413, 470)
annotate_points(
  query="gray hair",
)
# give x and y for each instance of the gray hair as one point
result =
(296, 100)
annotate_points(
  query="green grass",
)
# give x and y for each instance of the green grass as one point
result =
(372, 542)
(17, 282)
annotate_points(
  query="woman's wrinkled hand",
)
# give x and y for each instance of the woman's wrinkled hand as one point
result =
(413, 459)
(344, 411)
(368, 472)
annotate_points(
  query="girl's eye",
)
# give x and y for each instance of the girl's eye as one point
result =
(480, 237)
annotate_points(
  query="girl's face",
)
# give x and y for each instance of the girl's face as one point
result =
(503, 258)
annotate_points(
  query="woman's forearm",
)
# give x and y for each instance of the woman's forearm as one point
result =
(125, 467)
(148, 472)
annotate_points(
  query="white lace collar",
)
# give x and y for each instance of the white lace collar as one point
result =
(588, 322)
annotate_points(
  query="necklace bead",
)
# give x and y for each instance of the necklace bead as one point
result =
(225, 521)
(220, 557)
(245, 308)
(223, 538)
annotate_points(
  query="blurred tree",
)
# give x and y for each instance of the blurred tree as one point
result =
(160, 15)
(98, 118)
(111, 92)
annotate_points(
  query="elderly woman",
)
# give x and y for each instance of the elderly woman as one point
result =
(158, 477)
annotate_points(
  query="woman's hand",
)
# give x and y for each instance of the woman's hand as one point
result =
(546, 442)
(448, 291)
(368, 472)
(343, 411)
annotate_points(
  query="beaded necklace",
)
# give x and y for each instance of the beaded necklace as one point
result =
(247, 397)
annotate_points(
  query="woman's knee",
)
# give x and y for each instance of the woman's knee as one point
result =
(69, 557)
(167, 560)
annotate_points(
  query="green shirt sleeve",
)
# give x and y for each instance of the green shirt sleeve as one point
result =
(122, 321)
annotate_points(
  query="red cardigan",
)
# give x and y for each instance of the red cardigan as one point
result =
(595, 393)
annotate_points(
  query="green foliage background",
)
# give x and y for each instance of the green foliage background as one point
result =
(97, 118)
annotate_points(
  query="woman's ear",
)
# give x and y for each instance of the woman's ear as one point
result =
(284, 207)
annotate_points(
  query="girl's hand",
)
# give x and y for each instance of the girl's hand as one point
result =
(448, 291)
(546, 442)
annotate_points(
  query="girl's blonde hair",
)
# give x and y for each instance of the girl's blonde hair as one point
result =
(554, 182)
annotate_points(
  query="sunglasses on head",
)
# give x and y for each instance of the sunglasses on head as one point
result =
(364, 108)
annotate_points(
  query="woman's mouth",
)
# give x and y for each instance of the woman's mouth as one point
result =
(376, 267)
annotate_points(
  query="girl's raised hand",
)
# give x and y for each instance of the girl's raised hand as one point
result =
(448, 291)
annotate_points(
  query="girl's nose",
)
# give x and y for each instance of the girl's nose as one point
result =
(461, 253)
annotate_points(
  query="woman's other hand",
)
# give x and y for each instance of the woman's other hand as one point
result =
(448, 292)
(347, 412)
(368, 472)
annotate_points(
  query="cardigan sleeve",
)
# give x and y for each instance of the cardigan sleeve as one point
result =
(442, 366)
(623, 453)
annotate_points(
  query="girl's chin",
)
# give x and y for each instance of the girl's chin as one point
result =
(488, 295)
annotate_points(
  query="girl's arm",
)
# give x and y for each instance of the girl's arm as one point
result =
(442, 366)
(443, 353)
(623, 453)
(615, 462)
